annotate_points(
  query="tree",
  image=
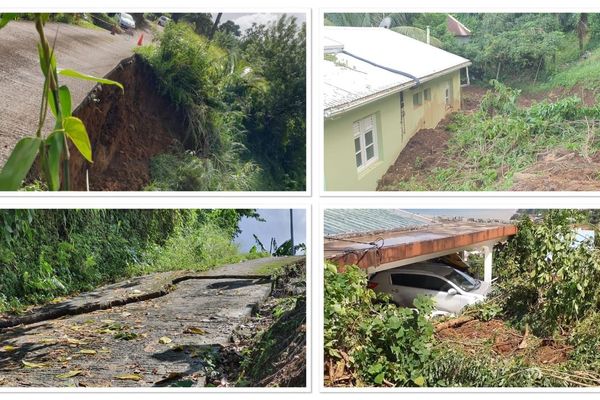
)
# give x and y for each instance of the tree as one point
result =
(276, 111)
(231, 28)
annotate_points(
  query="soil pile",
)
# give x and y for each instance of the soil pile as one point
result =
(126, 130)
(476, 336)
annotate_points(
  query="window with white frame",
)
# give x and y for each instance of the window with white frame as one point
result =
(365, 142)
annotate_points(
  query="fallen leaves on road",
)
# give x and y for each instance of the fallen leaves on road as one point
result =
(164, 340)
(88, 352)
(28, 364)
(69, 374)
(195, 330)
(128, 377)
(75, 342)
(126, 336)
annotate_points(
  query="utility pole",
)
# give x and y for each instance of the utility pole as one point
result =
(292, 230)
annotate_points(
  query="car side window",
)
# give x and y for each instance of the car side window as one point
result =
(420, 281)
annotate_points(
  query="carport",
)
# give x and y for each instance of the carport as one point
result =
(410, 242)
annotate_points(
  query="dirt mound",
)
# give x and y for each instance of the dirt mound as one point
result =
(588, 96)
(476, 336)
(126, 130)
(560, 171)
(423, 153)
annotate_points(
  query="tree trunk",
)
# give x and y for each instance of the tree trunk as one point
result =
(582, 29)
(215, 26)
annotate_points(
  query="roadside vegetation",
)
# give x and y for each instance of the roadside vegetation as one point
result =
(273, 352)
(52, 253)
(537, 328)
(243, 98)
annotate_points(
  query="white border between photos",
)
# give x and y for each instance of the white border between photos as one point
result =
(314, 199)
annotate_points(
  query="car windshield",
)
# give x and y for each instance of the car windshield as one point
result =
(127, 16)
(462, 280)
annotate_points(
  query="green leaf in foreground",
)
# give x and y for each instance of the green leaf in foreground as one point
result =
(75, 130)
(64, 99)
(78, 75)
(19, 163)
(54, 146)
(6, 18)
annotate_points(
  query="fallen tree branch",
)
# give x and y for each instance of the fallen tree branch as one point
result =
(453, 323)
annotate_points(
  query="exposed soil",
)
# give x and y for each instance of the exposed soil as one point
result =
(424, 152)
(126, 130)
(558, 170)
(90, 51)
(476, 336)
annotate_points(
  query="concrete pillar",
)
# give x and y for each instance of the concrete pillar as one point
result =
(487, 263)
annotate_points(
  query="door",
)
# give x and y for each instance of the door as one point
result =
(448, 95)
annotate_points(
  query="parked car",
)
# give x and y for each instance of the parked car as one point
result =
(450, 288)
(162, 21)
(125, 21)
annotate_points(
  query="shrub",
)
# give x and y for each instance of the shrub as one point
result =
(378, 341)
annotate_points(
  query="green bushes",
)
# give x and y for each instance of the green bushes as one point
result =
(244, 106)
(49, 253)
(192, 72)
(547, 281)
(375, 340)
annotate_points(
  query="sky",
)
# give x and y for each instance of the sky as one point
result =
(277, 225)
(245, 20)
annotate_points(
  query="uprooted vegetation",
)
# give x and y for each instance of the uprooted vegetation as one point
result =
(537, 328)
(272, 344)
(244, 121)
(525, 135)
(499, 146)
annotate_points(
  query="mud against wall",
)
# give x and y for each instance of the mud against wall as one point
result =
(126, 130)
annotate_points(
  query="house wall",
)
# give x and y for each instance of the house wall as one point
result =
(340, 167)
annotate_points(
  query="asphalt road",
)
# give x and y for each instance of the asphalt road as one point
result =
(91, 51)
(140, 343)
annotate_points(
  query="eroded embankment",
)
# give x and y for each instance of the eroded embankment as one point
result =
(126, 130)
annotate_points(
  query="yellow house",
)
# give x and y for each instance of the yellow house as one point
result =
(379, 89)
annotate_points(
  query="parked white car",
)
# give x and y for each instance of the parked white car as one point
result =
(450, 288)
(162, 21)
(125, 21)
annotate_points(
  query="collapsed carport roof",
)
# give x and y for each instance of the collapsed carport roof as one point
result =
(394, 248)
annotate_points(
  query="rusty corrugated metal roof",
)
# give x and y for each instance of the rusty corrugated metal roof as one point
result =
(456, 28)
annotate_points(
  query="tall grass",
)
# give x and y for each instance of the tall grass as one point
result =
(49, 253)
(193, 73)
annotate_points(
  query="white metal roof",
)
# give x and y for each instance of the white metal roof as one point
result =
(349, 82)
